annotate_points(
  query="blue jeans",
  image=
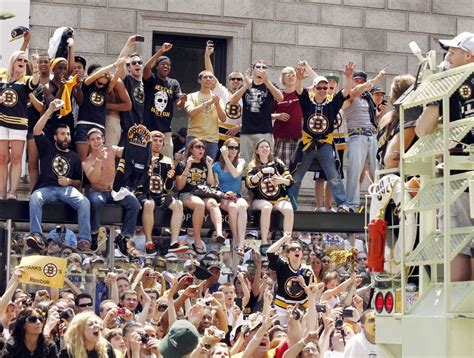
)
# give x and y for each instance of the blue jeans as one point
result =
(65, 194)
(360, 148)
(325, 157)
(130, 205)
(211, 148)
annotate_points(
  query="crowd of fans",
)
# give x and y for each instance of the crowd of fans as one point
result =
(104, 136)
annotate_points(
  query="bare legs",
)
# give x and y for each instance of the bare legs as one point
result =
(33, 160)
(237, 219)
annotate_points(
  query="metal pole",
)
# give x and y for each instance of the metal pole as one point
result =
(9, 247)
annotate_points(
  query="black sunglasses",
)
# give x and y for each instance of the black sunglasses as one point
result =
(83, 305)
(101, 84)
(294, 248)
(34, 319)
(321, 88)
(162, 307)
(233, 147)
(236, 79)
(199, 146)
(136, 63)
(260, 67)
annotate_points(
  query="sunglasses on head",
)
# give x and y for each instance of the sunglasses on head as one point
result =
(236, 78)
(233, 147)
(321, 88)
(260, 67)
(133, 63)
(34, 319)
(83, 305)
(199, 146)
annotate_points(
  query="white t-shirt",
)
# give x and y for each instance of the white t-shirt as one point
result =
(358, 346)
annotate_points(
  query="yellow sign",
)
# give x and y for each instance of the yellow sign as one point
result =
(43, 271)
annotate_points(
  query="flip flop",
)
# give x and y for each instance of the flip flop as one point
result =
(199, 251)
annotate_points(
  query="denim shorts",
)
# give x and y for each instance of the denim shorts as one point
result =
(81, 130)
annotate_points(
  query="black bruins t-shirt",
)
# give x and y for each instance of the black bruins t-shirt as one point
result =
(93, 108)
(136, 92)
(257, 110)
(158, 183)
(197, 175)
(159, 103)
(57, 120)
(264, 189)
(319, 119)
(289, 290)
(55, 163)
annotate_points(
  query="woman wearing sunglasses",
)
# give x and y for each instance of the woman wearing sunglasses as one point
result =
(14, 90)
(193, 171)
(228, 173)
(27, 339)
(84, 338)
(268, 179)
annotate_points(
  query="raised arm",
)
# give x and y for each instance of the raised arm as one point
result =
(10, 290)
(234, 171)
(99, 73)
(339, 289)
(128, 47)
(277, 245)
(300, 71)
(277, 95)
(247, 84)
(207, 56)
(152, 61)
(53, 106)
(348, 71)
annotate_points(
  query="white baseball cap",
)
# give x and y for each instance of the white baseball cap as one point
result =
(320, 79)
(464, 41)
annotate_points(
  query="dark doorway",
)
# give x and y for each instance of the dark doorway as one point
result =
(187, 59)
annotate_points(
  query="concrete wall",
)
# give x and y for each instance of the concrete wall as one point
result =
(372, 33)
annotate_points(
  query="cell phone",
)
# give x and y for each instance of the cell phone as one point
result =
(139, 38)
(210, 43)
(238, 302)
(321, 308)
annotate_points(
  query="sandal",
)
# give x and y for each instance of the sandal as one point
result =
(199, 251)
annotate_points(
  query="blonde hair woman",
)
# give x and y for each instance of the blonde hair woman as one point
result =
(15, 87)
(84, 336)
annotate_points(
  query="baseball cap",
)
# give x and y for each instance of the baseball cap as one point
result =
(377, 89)
(201, 273)
(183, 132)
(18, 32)
(81, 60)
(54, 237)
(181, 339)
(360, 74)
(333, 76)
(319, 79)
(464, 41)
(253, 233)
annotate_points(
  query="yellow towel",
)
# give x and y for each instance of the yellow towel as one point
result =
(66, 95)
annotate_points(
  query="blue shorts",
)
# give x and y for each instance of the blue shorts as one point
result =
(81, 130)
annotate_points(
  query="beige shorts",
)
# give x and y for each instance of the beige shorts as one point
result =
(13, 134)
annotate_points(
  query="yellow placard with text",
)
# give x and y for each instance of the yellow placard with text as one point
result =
(43, 271)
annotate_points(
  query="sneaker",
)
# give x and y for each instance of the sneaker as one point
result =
(121, 244)
(35, 242)
(177, 248)
(321, 209)
(150, 248)
(344, 209)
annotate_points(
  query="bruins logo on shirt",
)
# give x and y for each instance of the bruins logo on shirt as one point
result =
(97, 99)
(338, 121)
(60, 165)
(161, 100)
(139, 94)
(293, 288)
(465, 91)
(268, 189)
(156, 184)
(233, 111)
(318, 124)
(197, 176)
(10, 97)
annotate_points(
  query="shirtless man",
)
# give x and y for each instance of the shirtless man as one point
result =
(99, 167)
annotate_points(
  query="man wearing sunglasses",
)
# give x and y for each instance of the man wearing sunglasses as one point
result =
(317, 142)
(231, 127)
(257, 94)
(83, 302)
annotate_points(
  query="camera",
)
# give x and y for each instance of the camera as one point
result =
(66, 314)
(144, 338)
(297, 314)
(338, 323)
(347, 312)
(321, 308)
(139, 38)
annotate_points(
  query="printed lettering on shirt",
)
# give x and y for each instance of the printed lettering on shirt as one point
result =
(138, 93)
(97, 99)
(255, 99)
(60, 165)
(159, 88)
(139, 135)
(10, 97)
(233, 111)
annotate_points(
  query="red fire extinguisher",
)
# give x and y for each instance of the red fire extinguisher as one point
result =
(377, 234)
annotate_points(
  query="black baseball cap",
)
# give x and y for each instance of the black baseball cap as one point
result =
(360, 74)
(18, 32)
(81, 60)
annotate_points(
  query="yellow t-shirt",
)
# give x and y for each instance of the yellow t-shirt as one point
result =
(204, 125)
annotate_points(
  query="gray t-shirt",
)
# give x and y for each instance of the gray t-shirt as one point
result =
(358, 114)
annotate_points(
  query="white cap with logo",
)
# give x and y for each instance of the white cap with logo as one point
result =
(464, 41)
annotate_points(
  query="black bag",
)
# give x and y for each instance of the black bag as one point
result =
(205, 191)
